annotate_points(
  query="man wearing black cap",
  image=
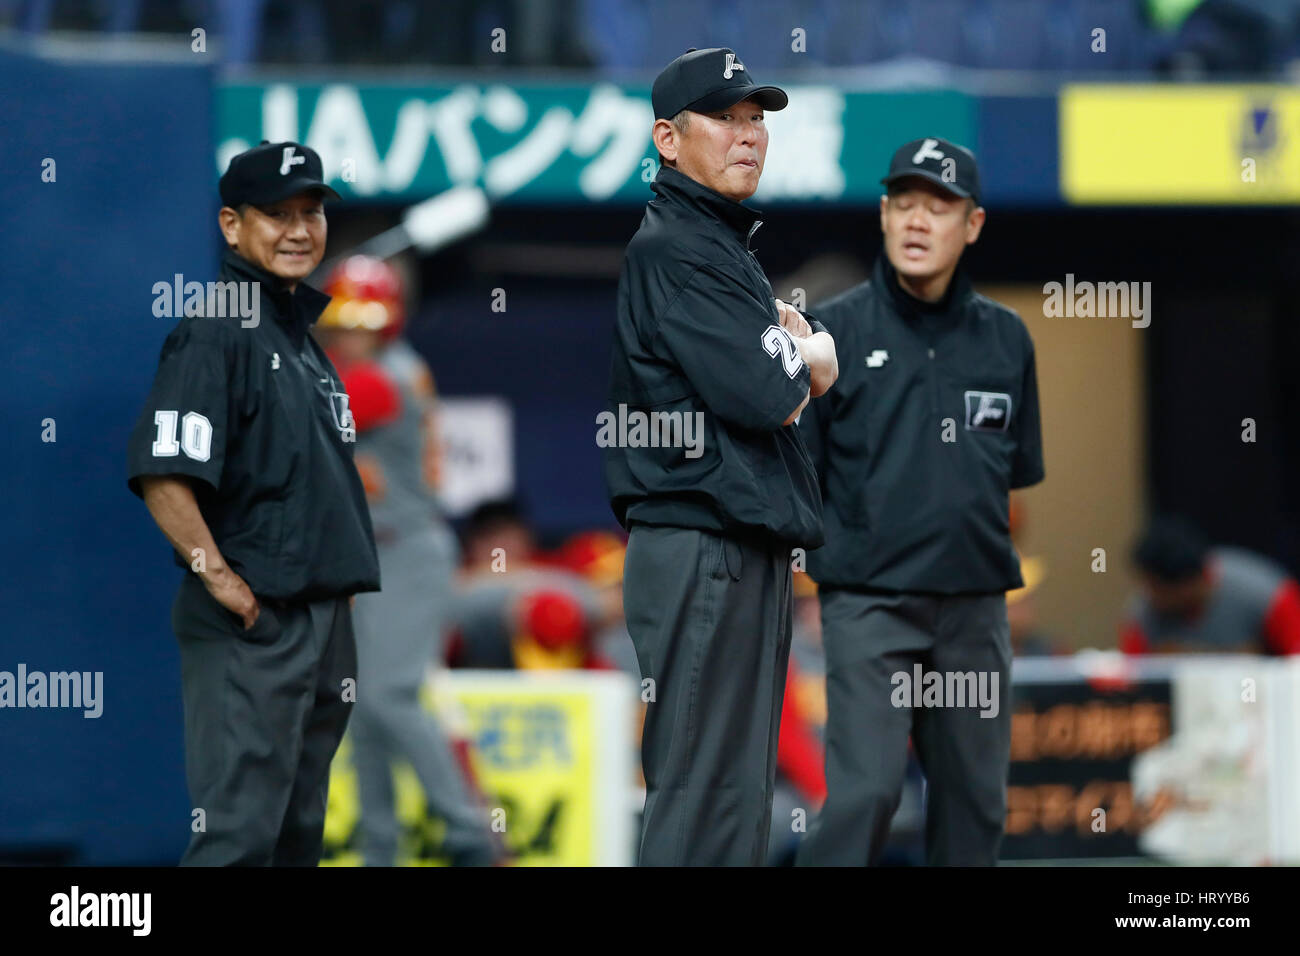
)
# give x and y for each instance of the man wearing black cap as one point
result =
(1199, 599)
(243, 455)
(934, 421)
(722, 489)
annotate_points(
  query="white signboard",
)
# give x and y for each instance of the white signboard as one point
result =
(478, 437)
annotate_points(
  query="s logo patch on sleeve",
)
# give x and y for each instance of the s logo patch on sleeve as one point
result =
(988, 411)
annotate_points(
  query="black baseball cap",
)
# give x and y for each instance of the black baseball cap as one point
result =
(270, 172)
(945, 164)
(707, 80)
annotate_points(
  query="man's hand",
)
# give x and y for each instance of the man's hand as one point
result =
(792, 321)
(817, 349)
(233, 594)
(818, 352)
(170, 500)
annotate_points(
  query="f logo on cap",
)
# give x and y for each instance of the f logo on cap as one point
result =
(732, 65)
(290, 160)
(927, 151)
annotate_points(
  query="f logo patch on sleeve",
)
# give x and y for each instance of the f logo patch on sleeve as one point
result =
(343, 419)
(988, 411)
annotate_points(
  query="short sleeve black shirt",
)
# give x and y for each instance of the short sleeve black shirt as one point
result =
(934, 419)
(257, 417)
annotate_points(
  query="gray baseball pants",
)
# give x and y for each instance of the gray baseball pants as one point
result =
(264, 715)
(963, 743)
(710, 618)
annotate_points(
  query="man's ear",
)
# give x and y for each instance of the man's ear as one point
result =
(664, 135)
(974, 223)
(884, 202)
(229, 221)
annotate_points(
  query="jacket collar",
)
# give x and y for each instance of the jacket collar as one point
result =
(951, 306)
(681, 189)
(295, 310)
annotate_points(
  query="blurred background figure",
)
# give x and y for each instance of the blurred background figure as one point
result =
(394, 409)
(1199, 599)
(497, 538)
(800, 751)
(1028, 639)
(514, 609)
(1234, 37)
(598, 557)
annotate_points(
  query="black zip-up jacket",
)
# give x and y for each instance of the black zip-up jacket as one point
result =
(698, 346)
(934, 419)
(258, 419)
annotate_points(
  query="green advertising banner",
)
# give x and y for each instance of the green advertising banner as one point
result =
(567, 144)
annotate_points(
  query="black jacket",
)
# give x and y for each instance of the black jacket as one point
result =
(698, 339)
(934, 419)
(258, 419)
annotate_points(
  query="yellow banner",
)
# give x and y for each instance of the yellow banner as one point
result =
(1200, 144)
(553, 757)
